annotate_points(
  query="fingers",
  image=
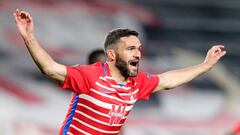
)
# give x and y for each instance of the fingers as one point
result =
(221, 46)
(26, 15)
(222, 54)
(218, 51)
(15, 15)
(218, 48)
(18, 15)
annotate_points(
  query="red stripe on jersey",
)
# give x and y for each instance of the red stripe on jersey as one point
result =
(73, 130)
(93, 106)
(102, 84)
(97, 123)
(104, 118)
(89, 128)
(90, 108)
(112, 98)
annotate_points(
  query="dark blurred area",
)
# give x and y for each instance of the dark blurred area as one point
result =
(175, 34)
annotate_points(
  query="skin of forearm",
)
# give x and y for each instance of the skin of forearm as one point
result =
(178, 77)
(38, 54)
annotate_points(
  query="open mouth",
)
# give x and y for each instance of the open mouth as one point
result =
(134, 63)
(133, 67)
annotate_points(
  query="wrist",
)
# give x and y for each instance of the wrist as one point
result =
(207, 66)
(29, 36)
(29, 40)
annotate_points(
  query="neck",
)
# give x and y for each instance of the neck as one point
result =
(116, 74)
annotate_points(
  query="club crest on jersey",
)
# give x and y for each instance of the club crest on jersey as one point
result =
(116, 114)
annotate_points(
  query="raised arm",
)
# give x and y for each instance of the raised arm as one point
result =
(42, 59)
(172, 79)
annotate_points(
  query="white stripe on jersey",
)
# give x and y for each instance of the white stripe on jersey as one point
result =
(93, 110)
(101, 103)
(112, 97)
(120, 87)
(102, 78)
(79, 130)
(105, 87)
(69, 133)
(109, 77)
(129, 94)
(95, 128)
(116, 86)
(135, 91)
(96, 120)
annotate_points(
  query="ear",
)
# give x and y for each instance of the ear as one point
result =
(111, 54)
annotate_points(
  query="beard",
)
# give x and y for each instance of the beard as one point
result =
(123, 67)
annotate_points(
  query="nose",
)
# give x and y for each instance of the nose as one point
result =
(137, 54)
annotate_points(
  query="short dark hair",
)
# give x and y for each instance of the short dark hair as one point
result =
(94, 56)
(113, 36)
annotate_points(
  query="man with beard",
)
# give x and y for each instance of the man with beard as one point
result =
(104, 93)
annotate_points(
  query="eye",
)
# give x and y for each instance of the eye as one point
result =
(130, 48)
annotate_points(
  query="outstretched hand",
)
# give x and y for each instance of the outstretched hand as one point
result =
(214, 54)
(24, 22)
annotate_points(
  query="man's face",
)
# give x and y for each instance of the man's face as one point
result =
(128, 56)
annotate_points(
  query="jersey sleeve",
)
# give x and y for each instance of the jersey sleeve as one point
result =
(75, 80)
(147, 83)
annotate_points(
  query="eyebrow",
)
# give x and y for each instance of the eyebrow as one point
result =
(135, 46)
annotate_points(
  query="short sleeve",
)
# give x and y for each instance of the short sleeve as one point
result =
(75, 80)
(146, 83)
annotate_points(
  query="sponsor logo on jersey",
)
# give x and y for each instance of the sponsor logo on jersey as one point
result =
(116, 113)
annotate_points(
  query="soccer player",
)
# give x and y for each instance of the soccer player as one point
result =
(96, 56)
(104, 93)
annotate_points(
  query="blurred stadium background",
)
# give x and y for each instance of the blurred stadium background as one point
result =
(175, 34)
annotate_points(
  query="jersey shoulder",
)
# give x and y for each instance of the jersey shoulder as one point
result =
(92, 69)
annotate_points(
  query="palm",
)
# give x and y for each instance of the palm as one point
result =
(24, 25)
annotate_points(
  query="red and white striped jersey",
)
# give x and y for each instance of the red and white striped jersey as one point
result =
(99, 105)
